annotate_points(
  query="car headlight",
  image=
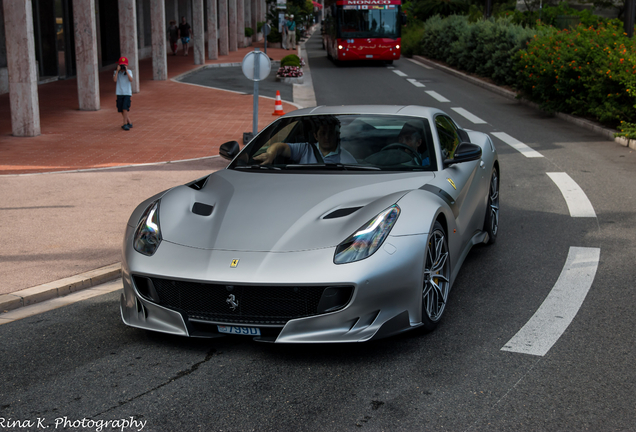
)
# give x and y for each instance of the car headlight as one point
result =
(368, 239)
(148, 234)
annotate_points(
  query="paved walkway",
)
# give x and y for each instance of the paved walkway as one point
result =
(172, 121)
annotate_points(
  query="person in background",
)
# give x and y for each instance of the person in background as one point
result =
(283, 33)
(185, 32)
(173, 35)
(123, 77)
(291, 30)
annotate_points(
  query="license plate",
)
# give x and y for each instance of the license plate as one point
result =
(247, 331)
(369, 55)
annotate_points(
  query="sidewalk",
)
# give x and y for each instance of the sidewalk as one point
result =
(62, 231)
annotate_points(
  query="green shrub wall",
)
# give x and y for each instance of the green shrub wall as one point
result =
(587, 71)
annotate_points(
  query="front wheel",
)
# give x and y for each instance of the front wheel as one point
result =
(436, 284)
(491, 223)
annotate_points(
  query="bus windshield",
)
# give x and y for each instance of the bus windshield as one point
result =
(368, 23)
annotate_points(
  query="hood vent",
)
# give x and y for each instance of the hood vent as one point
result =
(202, 209)
(342, 212)
(198, 184)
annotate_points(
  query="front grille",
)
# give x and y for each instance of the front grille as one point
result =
(271, 305)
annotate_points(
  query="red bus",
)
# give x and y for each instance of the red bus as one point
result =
(363, 30)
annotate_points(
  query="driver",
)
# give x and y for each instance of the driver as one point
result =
(411, 135)
(326, 150)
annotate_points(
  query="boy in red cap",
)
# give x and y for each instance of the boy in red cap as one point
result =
(123, 77)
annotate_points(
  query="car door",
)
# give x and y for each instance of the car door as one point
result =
(463, 177)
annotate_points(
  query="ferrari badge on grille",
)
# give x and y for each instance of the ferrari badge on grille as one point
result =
(234, 263)
(231, 300)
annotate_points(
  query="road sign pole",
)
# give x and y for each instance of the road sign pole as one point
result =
(256, 79)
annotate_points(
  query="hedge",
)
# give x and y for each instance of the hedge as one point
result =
(587, 71)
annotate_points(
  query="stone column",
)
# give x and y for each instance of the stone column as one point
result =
(128, 38)
(157, 24)
(224, 40)
(140, 24)
(240, 23)
(86, 54)
(177, 18)
(255, 20)
(248, 14)
(198, 36)
(213, 42)
(23, 77)
(232, 25)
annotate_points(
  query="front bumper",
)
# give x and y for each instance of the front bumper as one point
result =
(386, 297)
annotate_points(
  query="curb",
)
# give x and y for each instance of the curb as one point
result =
(586, 124)
(60, 288)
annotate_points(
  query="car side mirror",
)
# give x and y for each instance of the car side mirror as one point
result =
(403, 19)
(229, 150)
(465, 152)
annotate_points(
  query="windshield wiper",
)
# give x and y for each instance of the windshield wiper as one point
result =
(334, 166)
(257, 167)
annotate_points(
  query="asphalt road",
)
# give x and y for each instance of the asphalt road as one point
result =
(81, 361)
(232, 78)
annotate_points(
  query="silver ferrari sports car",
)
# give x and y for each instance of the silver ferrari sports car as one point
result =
(334, 224)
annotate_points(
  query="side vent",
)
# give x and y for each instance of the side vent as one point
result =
(342, 212)
(198, 184)
(202, 209)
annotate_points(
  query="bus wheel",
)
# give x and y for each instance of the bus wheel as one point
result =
(389, 62)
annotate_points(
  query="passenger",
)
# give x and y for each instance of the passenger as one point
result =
(326, 150)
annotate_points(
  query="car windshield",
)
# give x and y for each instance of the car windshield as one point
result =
(341, 143)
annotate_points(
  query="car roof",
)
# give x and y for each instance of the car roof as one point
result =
(409, 110)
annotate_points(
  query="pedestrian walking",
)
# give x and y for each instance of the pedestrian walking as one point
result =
(185, 32)
(291, 30)
(283, 43)
(123, 76)
(173, 35)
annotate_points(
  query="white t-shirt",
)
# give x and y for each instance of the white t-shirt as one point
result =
(124, 86)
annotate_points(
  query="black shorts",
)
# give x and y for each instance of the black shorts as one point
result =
(123, 103)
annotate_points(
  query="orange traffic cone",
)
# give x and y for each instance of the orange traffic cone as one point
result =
(278, 107)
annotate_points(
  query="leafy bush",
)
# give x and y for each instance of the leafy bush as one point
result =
(486, 47)
(290, 60)
(274, 36)
(627, 130)
(589, 72)
(412, 35)
(424, 9)
(249, 32)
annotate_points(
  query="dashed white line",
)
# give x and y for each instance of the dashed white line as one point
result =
(437, 96)
(399, 72)
(415, 82)
(473, 118)
(517, 145)
(560, 307)
(578, 203)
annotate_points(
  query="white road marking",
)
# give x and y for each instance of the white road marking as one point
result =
(415, 82)
(517, 145)
(578, 203)
(419, 64)
(390, 67)
(399, 72)
(473, 118)
(45, 306)
(437, 96)
(560, 306)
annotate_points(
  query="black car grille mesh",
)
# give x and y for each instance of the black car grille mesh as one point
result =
(273, 305)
